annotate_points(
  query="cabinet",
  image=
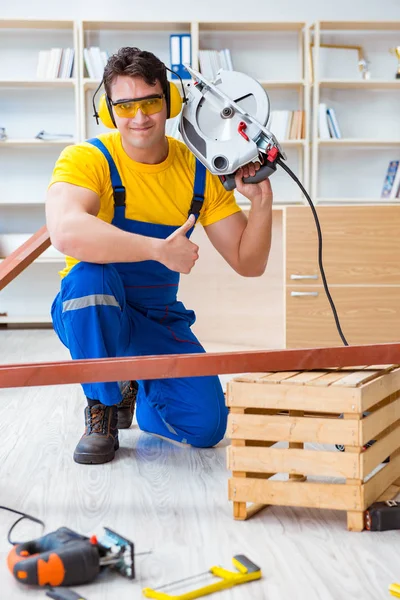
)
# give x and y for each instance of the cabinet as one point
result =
(361, 252)
(287, 306)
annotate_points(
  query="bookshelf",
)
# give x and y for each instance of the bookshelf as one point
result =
(28, 105)
(344, 171)
(352, 169)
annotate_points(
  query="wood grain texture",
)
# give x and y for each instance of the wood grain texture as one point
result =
(368, 315)
(169, 499)
(361, 245)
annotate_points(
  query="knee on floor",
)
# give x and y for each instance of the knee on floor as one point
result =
(210, 432)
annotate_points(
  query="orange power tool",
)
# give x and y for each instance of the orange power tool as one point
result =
(65, 558)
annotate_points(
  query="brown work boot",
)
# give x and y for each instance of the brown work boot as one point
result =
(126, 407)
(100, 440)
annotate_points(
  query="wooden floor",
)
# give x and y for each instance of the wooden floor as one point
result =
(167, 499)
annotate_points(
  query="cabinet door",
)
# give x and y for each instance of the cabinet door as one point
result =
(361, 245)
(367, 315)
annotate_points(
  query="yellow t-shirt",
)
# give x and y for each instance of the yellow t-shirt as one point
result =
(160, 193)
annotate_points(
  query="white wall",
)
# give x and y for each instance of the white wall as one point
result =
(234, 10)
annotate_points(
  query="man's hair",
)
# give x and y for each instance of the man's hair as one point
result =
(133, 62)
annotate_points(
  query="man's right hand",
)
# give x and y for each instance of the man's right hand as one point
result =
(178, 252)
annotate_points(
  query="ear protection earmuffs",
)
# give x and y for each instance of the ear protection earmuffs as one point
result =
(173, 101)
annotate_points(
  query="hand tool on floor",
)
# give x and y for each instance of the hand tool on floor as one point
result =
(63, 594)
(65, 558)
(247, 571)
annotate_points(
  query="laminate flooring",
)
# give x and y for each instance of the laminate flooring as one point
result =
(169, 499)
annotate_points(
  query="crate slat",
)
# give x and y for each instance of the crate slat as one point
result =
(379, 420)
(357, 378)
(382, 448)
(295, 461)
(327, 378)
(376, 390)
(304, 377)
(307, 398)
(279, 376)
(250, 377)
(293, 429)
(287, 493)
(381, 480)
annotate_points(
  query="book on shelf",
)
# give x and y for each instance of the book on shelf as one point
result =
(57, 63)
(391, 184)
(95, 60)
(328, 126)
(180, 47)
(287, 124)
(211, 61)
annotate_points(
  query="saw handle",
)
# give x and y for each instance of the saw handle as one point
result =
(228, 181)
(59, 558)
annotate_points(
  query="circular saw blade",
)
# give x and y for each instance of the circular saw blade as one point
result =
(212, 125)
(245, 92)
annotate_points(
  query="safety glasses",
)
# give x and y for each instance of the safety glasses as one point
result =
(127, 109)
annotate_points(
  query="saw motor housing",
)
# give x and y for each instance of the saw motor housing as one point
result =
(224, 124)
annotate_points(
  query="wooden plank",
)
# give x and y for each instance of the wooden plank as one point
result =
(293, 429)
(327, 378)
(384, 447)
(307, 398)
(377, 484)
(278, 377)
(290, 493)
(304, 377)
(288, 460)
(197, 365)
(250, 377)
(357, 378)
(23, 256)
(379, 420)
(376, 390)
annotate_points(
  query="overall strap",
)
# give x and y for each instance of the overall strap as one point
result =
(116, 182)
(198, 190)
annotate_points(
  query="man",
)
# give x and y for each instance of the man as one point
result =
(118, 293)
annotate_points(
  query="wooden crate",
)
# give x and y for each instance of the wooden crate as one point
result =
(348, 407)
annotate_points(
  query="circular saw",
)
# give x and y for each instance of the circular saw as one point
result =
(223, 122)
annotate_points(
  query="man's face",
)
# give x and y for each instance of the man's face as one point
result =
(141, 131)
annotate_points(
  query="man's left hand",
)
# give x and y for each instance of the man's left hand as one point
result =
(257, 193)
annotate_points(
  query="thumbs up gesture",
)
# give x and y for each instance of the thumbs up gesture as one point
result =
(179, 253)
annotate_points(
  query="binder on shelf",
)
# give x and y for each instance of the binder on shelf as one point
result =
(389, 179)
(180, 54)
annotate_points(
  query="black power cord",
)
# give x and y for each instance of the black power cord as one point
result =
(321, 267)
(24, 516)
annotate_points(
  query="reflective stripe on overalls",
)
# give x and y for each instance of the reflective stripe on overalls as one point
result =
(131, 309)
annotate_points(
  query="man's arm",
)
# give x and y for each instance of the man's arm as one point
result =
(245, 243)
(76, 231)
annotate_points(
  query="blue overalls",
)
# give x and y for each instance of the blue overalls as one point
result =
(131, 309)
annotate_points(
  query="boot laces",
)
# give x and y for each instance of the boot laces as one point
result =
(129, 393)
(97, 418)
